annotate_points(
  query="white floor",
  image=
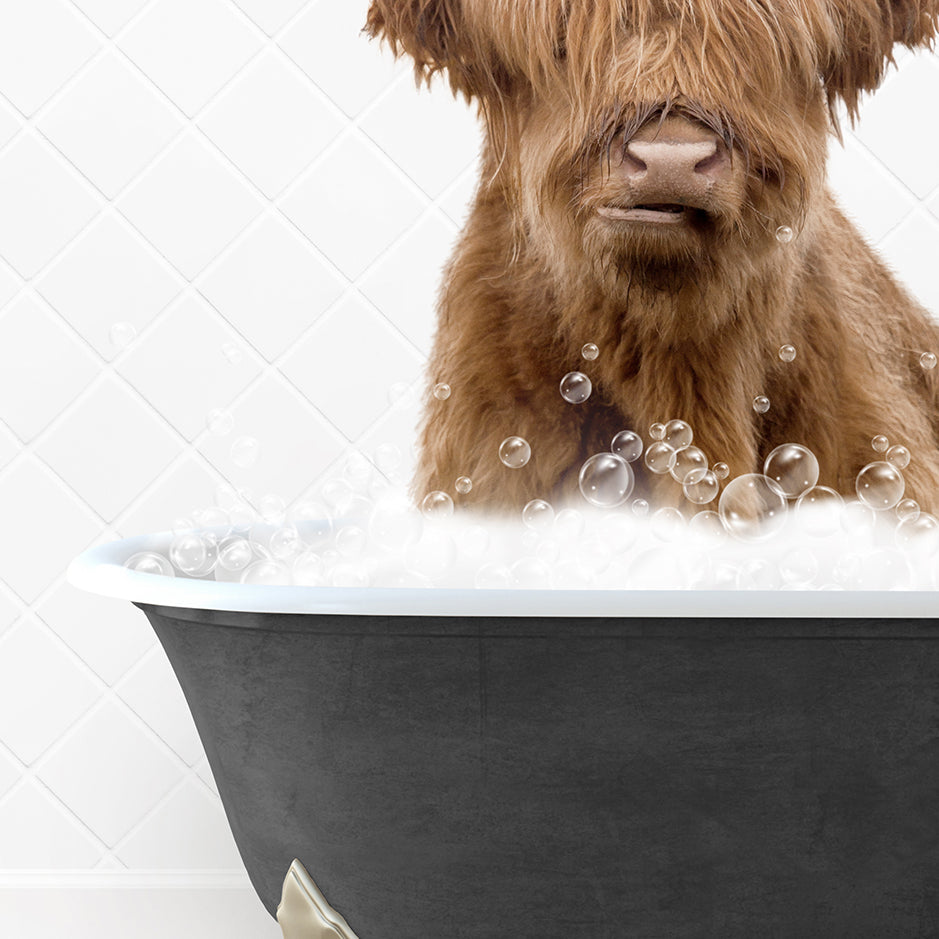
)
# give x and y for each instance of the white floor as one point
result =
(137, 912)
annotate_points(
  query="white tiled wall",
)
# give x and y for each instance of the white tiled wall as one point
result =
(261, 203)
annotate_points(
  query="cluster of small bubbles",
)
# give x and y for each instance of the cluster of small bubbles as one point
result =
(436, 505)
(928, 361)
(219, 422)
(576, 387)
(149, 562)
(442, 391)
(880, 485)
(628, 445)
(122, 335)
(880, 443)
(245, 451)
(590, 351)
(657, 431)
(687, 461)
(784, 234)
(463, 485)
(721, 470)
(793, 468)
(752, 508)
(515, 452)
(606, 480)
(898, 456)
(761, 404)
(232, 352)
(538, 514)
(678, 435)
(660, 457)
(787, 352)
(700, 486)
(907, 508)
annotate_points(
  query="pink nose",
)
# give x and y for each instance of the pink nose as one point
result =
(675, 161)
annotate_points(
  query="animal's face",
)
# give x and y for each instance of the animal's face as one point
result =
(644, 140)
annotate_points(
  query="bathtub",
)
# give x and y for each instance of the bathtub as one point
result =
(471, 764)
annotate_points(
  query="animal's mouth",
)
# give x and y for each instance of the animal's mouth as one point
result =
(662, 213)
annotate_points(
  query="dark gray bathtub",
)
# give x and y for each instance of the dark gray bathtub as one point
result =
(549, 776)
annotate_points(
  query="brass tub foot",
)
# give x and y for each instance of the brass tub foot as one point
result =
(303, 912)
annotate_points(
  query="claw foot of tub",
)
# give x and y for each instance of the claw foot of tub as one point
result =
(303, 912)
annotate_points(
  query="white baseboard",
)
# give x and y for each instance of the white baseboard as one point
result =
(117, 905)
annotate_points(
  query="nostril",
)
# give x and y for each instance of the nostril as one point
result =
(713, 163)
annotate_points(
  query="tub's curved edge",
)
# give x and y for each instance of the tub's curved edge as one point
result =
(101, 570)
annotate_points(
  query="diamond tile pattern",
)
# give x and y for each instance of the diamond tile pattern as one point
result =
(260, 193)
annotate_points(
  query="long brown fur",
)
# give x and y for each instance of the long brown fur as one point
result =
(687, 328)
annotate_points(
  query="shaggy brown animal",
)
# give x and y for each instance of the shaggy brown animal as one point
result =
(639, 158)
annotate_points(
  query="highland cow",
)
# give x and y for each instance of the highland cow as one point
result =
(653, 181)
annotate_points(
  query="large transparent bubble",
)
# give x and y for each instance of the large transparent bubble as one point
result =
(752, 508)
(606, 480)
(880, 485)
(793, 468)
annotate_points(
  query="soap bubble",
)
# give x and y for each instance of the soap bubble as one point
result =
(907, 508)
(493, 576)
(880, 443)
(799, 567)
(266, 572)
(668, 524)
(232, 352)
(235, 554)
(640, 508)
(687, 460)
(272, 509)
(919, 532)
(122, 335)
(436, 505)
(657, 431)
(618, 530)
(308, 569)
(285, 542)
(149, 562)
(628, 445)
(394, 525)
(219, 422)
(819, 510)
(701, 486)
(350, 541)
(590, 351)
(434, 555)
(313, 520)
(475, 542)
(721, 470)
(350, 576)
(898, 456)
(530, 573)
(660, 457)
(515, 452)
(707, 527)
(245, 451)
(678, 435)
(857, 519)
(880, 485)
(538, 514)
(463, 485)
(606, 480)
(927, 361)
(784, 234)
(761, 404)
(193, 554)
(337, 494)
(388, 458)
(752, 508)
(787, 353)
(576, 387)
(759, 574)
(442, 391)
(569, 525)
(793, 468)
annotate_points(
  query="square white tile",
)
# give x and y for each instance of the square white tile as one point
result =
(44, 204)
(190, 48)
(189, 205)
(911, 249)
(108, 635)
(43, 691)
(123, 444)
(327, 42)
(11, 123)
(110, 15)
(11, 608)
(9, 774)
(346, 363)
(9, 446)
(353, 205)
(109, 772)
(295, 443)
(272, 286)
(42, 43)
(30, 495)
(153, 693)
(109, 275)
(43, 367)
(182, 368)
(271, 15)
(271, 122)
(36, 833)
(110, 123)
